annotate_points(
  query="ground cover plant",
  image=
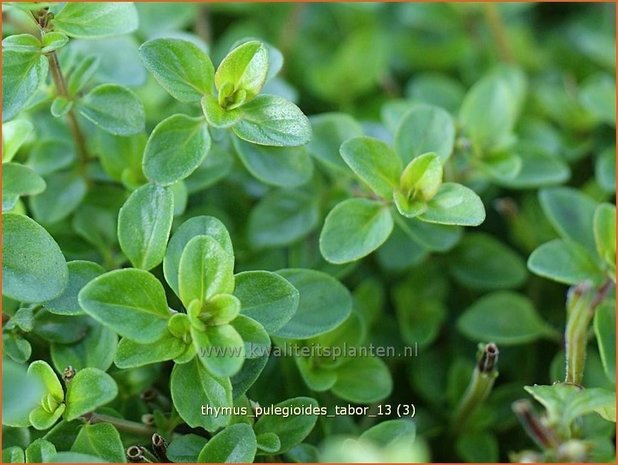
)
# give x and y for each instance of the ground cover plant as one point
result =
(308, 232)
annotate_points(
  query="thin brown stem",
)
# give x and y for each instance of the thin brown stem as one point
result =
(61, 86)
(291, 28)
(498, 31)
(120, 424)
(540, 433)
(202, 24)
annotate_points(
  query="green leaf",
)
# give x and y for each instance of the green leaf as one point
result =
(330, 130)
(488, 113)
(566, 402)
(354, 229)
(316, 377)
(501, 167)
(267, 298)
(436, 237)
(423, 129)
(598, 96)
(605, 331)
(53, 41)
(221, 309)
(100, 440)
(16, 348)
(82, 74)
(242, 74)
(179, 326)
(605, 234)
(61, 106)
(196, 226)
(374, 162)
(482, 262)
(571, 213)
(341, 75)
(216, 166)
(538, 169)
(455, 204)
(41, 419)
(14, 134)
(220, 349)
(363, 380)
(505, 318)
(180, 67)
(256, 339)
(133, 354)
(274, 121)
(18, 180)
(129, 301)
(21, 392)
(64, 192)
(185, 448)
(390, 432)
(175, 148)
(351, 333)
(205, 269)
(276, 166)
(80, 273)
(392, 113)
(50, 155)
(268, 442)
(75, 457)
(22, 75)
(234, 444)
(421, 323)
(293, 429)
(95, 20)
(144, 224)
(45, 374)
(33, 267)
(21, 43)
(218, 117)
(114, 109)
(564, 261)
(191, 387)
(64, 329)
(257, 352)
(95, 349)
(23, 319)
(324, 304)
(282, 217)
(13, 454)
(437, 89)
(605, 169)
(419, 183)
(40, 451)
(88, 390)
(479, 448)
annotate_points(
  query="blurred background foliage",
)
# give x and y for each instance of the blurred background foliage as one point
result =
(359, 59)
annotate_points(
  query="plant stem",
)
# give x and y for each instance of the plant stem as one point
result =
(480, 386)
(120, 423)
(61, 86)
(582, 301)
(536, 429)
(159, 445)
(290, 28)
(135, 454)
(202, 24)
(498, 31)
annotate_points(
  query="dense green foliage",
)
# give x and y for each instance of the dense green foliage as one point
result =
(197, 196)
